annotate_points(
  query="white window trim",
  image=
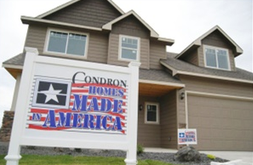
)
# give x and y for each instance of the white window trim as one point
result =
(65, 55)
(157, 113)
(214, 47)
(120, 49)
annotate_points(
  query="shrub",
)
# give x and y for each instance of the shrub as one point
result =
(139, 149)
(211, 156)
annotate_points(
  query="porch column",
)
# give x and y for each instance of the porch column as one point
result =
(15, 94)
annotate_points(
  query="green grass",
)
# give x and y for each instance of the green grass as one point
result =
(76, 160)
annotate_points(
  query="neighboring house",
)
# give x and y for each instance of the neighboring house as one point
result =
(199, 88)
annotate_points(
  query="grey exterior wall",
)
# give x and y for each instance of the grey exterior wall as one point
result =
(149, 135)
(192, 57)
(164, 134)
(217, 86)
(36, 36)
(93, 13)
(157, 52)
(168, 120)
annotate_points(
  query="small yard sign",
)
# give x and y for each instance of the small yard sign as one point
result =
(187, 136)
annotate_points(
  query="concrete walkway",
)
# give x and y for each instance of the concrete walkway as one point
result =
(246, 157)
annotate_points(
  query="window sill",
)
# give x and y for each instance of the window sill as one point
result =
(75, 57)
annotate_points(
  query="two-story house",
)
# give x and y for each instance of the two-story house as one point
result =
(199, 88)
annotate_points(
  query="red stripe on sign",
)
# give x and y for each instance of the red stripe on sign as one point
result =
(32, 126)
(97, 85)
(79, 91)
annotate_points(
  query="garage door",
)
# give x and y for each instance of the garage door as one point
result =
(222, 124)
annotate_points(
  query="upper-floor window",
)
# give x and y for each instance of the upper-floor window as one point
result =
(151, 113)
(216, 58)
(129, 48)
(70, 43)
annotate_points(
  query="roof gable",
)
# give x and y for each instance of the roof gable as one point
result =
(108, 26)
(195, 44)
(153, 33)
(94, 13)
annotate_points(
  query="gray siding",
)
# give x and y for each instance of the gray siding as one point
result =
(218, 40)
(36, 36)
(98, 47)
(192, 58)
(113, 52)
(94, 13)
(148, 134)
(157, 52)
(217, 86)
(131, 26)
(168, 120)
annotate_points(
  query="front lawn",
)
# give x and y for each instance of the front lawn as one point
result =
(76, 160)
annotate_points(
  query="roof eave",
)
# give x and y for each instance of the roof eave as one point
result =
(177, 72)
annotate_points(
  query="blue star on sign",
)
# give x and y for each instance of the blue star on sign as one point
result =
(181, 135)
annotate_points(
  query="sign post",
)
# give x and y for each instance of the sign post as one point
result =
(75, 104)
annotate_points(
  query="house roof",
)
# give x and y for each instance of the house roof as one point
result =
(157, 76)
(72, 2)
(15, 62)
(178, 66)
(195, 44)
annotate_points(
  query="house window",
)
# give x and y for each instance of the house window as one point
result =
(69, 43)
(129, 48)
(152, 113)
(216, 58)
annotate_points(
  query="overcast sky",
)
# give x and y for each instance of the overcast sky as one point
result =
(181, 20)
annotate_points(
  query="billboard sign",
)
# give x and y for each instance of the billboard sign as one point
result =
(76, 104)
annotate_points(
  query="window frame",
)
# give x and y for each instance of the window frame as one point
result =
(216, 56)
(120, 48)
(157, 113)
(66, 55)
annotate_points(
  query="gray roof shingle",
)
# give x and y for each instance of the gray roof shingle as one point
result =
(16, 60)
(180, 65)
(157, 75)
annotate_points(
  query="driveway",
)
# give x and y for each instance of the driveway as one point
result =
(246, 157)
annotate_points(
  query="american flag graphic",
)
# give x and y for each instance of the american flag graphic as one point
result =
(56, 97)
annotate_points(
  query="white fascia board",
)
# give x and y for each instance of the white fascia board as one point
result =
(169, 41)
(57, 8)
(219, 95)
(214, 77)
(26, 18)
(12, 66)
(161, 83)
(116, 6)
(174, 71)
